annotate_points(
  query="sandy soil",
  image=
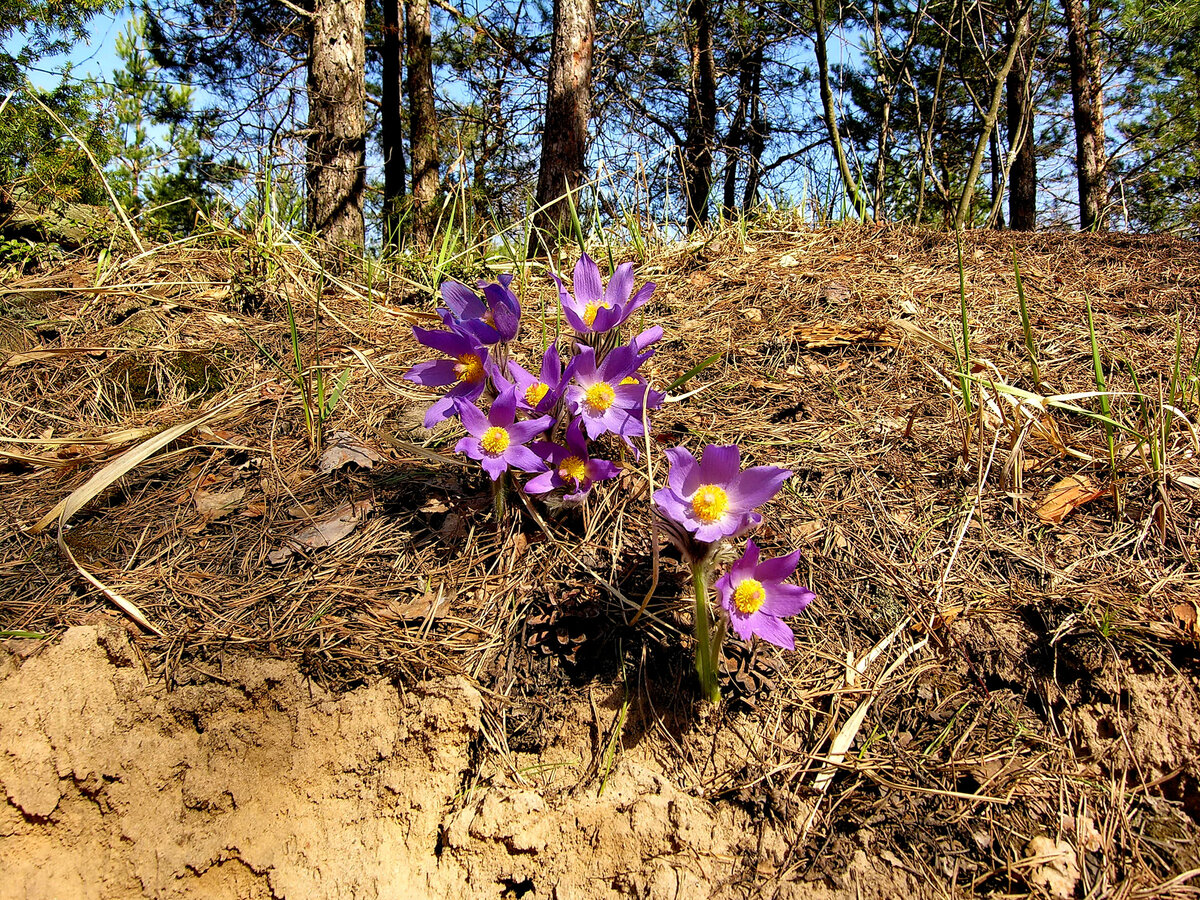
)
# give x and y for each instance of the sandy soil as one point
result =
(257, 783)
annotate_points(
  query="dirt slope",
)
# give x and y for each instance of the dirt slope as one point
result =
(258, 783)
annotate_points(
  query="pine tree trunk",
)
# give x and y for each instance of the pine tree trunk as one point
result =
(423, 138)
(702, 115)
(1022, 174)
(568, 109)
(337, 123)
(391, 122)
(1087, 98)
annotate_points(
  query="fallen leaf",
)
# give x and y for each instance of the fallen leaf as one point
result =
(1056, 868)
(752, 314)
(806, 531)
(343, 449)
(335, 526)
(788, 261)
(255, 510)
(213, 505)
(433, 506)
(1067, 495)
(1187, 614)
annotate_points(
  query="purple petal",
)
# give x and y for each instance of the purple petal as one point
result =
(551, 366)
(504, 408)
(672, 507)
(651, 335)
(576, 442)
(746, 566)
(742, 625)
(493, 465)
(569, 303)
(522, 432)
(756, 486)
(584, 366)
(786, 599)
(473, 419)
(618, 365)
(779, 568)
(442, 409)
(434, 373)
(619, 286)
(523, 458)
(463, 301)
(772, 630)
(602, 469)
(644, 293)
(607, 318)
(575, 321)
(719, 465)
(586, 282)
(713, 531)
(544, 483)
(684, 476)
(449, 342)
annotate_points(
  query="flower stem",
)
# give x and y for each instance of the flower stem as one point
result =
(705, 658)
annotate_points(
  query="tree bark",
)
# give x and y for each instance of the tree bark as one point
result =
(568, 109)
(818, 11)
(337, 122)
(1022, 174)
(756, 137)
(1087, 100)
(391, 122)
(702, 115)
(989, 123)
(422, 115)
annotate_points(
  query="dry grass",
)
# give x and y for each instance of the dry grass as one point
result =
(1019, 664)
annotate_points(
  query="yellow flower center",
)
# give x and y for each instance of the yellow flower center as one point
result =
(749, 596)
(535, 392)
(495, 440)
(573, 468)
(709, 503)
(589, 312)
(469, 368)
(629, 379)
(600, 396)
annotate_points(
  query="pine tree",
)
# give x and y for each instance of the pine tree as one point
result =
(162, 168)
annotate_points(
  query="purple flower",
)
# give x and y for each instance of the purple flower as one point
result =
(753, 596)
(602, 397)
(570, 466)
(533, 393)
(497, 440)
(712, 498)
(496, 318)
(594, 309)
(466, 370)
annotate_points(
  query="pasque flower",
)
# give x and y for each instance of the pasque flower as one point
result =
(466, 370)
(713, 499)
(595, 309)
(754, 598)
(497, 440)
(495, 318)
(571, 468)
(607, 397)
(534, 393)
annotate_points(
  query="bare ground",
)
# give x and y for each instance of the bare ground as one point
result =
(438, 705)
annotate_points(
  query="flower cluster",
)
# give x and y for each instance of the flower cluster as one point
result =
(541, 424)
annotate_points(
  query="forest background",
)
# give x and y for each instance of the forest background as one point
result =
(375, 123)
